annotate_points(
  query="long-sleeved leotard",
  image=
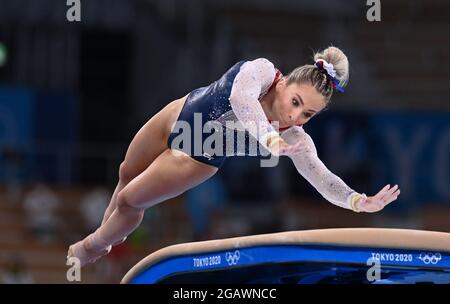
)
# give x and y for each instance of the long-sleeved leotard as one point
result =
(251, 83)
(230, 99)
(308, 164)
(255, 77)
(236, 97)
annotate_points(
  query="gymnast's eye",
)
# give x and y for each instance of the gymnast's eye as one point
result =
(295, 102)
(307, 115)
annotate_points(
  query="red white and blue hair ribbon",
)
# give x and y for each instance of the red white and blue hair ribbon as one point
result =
(328, 69)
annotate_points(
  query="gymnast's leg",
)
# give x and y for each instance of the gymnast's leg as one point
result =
(170, 174)
(146, 146)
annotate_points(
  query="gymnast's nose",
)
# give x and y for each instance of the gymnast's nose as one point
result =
(294, 117)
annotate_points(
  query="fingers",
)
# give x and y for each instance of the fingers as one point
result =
(389, 192)
(382, 192)
(386, 195)
(392, 197)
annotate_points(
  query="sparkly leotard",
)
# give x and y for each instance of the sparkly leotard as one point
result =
(211, 104)
(235, 97)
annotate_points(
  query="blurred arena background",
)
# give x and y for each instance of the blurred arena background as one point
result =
(73, 94)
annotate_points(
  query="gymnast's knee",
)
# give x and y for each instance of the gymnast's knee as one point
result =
(125, 173)
(124, 205)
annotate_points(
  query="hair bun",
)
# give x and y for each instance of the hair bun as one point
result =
(337, 58)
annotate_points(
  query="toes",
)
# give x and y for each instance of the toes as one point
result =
(86, 255)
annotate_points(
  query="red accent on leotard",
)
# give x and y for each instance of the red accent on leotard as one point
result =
(277, 78)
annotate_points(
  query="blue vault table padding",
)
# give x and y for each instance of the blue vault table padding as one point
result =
(311, 256)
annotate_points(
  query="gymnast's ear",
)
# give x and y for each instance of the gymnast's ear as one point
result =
(282, 82)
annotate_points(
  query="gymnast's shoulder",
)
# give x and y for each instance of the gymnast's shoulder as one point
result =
(261, 63)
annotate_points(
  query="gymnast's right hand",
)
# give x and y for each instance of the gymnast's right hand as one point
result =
(278, 147)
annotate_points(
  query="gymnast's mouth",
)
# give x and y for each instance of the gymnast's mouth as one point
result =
(283, 123)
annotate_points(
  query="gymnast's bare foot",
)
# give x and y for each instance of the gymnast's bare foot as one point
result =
(85, 253)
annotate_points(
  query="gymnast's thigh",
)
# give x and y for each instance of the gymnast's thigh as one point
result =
(169, 175)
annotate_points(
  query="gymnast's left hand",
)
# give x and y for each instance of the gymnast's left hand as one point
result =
(380, 200)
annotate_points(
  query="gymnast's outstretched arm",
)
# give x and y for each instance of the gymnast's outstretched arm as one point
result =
(330, 186)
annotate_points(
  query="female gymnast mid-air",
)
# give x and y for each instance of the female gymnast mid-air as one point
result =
(249, 93)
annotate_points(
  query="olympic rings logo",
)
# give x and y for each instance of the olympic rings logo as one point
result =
(233, 257)
(430, 258)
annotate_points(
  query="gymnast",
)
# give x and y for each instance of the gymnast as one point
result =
(250, 92)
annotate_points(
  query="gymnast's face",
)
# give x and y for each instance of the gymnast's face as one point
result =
(296, 104)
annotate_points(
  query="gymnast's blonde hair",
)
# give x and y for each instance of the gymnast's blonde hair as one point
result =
(310, 73)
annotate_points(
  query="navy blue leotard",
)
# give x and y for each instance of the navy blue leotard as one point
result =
(237, 94)
(212, 104)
